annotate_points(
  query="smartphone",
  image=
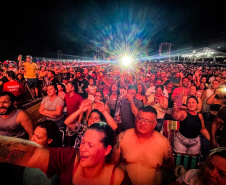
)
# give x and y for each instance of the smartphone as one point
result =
(179, 100)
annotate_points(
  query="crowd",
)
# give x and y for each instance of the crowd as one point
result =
(86, 105)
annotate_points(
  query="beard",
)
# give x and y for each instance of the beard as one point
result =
(8, 110)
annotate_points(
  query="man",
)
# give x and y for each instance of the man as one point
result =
(13, 122)
(86, 74)
(183, 90)
(12, 85)
(3, 79)
(142, 150)
(218, 125)
(50, 79)
(129, 107)
(72, 99)
(81, 84)
(31, 75)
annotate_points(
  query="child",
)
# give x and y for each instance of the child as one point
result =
(91, 90)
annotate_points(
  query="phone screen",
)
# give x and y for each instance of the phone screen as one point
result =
(179, 100)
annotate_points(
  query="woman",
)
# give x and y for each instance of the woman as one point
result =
(169, 88)
(187, 140)
(192, 92)
(52, 107)
(112, 98)
(76, 130)
(201, 89)
(88, 166)
(99, 97)
(46, 134)
(160, 103)
(61, 90)
(213, 171)
(140, 95)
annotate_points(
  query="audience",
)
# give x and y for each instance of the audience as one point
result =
(134, 103)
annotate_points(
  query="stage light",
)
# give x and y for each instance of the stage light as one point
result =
(126, 60)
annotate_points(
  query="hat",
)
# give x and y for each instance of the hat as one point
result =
(29, 56)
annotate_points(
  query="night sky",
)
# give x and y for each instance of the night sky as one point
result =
(41, 28)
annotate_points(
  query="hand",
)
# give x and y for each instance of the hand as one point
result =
(129, 97)
(214, 144)
(176, 108)
(100, 106)
(217, 91)
(157, 100)
(85, 105)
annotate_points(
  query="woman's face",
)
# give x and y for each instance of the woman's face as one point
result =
(114, 88)
(51, 91)
(92, 150)
(139, 88)
(192, 90)
(59, 87)
(158, 92)
(19, 77)
(91, 82)
(40, 137)
(98, 96)
(202, 86)
(215, 171)
(192, 104)
(94, 117)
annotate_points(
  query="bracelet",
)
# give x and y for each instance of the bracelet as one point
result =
(131, 101)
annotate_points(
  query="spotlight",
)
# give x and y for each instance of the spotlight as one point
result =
(126, 60)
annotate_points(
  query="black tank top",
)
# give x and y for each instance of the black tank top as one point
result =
(190, 127)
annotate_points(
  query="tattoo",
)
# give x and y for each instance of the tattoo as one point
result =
(12, 156)
(119, 138)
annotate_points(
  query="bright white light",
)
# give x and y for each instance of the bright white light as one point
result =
(126, 60)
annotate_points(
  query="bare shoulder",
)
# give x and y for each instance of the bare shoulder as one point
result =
(161, 138)
(119, 176)
(123, 137)
(23, 116)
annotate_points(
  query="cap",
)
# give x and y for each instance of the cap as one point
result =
(29, 56)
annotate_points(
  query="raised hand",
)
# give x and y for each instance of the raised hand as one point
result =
(100, 106)
(85, 105)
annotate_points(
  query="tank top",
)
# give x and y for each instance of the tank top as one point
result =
(190, 127)
(9, 127)
(112, 174)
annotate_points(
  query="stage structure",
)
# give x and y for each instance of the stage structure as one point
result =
(165, 50)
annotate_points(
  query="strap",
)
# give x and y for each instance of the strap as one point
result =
(75, 168)
(113, 176)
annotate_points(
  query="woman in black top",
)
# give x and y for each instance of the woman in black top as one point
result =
(187, 140)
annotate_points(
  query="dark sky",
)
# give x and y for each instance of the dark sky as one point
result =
(40, 28)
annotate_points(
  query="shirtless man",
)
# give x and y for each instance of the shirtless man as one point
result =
(143, 151)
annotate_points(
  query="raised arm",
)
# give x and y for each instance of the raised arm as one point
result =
(102, 108)
(70, 121)
(178, 114)
(23, 153)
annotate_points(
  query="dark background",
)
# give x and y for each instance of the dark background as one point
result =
(41, 28)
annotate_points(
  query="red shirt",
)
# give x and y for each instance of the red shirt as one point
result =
(73, 103)
(13, 87)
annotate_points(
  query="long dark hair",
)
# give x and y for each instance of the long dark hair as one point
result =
(53, 132)
(109, 136)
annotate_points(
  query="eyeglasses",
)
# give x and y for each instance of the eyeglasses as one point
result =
(146, 121)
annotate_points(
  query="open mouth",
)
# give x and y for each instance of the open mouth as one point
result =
(84, 157)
